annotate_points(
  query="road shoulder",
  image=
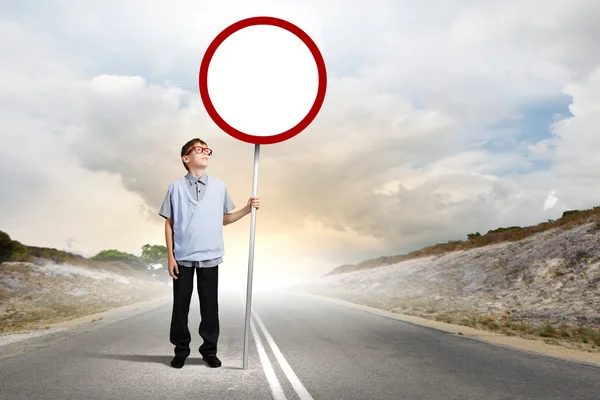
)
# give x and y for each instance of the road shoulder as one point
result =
(8, 341)
(527, 345)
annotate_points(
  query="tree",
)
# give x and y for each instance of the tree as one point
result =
(154, 254)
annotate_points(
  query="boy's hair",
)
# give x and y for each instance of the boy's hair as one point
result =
(187, 147)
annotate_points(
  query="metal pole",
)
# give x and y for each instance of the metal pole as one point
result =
(251, 256)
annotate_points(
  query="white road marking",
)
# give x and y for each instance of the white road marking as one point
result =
(274, 384)
(296, 384)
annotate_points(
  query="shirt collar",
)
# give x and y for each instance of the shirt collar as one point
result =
(192, 179)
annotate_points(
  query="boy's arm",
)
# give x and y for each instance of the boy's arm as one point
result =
(166, 211)
(169, 237)
(231, 217)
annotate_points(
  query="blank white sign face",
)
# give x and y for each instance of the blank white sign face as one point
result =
(263, 80)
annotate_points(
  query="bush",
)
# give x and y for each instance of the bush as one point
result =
(471, 236)
(20, 252)
(116, 255)
(58, 256)
(500, 230)
(6, 247)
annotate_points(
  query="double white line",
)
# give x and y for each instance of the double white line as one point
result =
(276, 388)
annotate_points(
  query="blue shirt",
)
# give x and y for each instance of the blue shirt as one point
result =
(195, 204)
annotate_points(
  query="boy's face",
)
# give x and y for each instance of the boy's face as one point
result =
(198, 156)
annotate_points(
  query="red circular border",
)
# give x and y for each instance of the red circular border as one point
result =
(203, 80)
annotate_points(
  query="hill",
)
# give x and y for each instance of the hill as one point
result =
(536, 282)
(568, 220)
(41, 286)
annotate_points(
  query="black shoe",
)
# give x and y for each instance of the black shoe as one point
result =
(212, 360)
(178, 362)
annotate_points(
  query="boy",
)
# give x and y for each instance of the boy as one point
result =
(195, 209)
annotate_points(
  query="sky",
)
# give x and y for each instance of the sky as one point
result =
(441, 119)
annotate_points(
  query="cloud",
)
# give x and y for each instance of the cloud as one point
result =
(561, 33)
(48, 198)
(575, 142)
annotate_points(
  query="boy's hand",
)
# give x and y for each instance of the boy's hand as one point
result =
(172, 267)
(252, 202)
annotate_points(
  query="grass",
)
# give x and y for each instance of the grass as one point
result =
(37, 316)
(53, 313)
(579, 335)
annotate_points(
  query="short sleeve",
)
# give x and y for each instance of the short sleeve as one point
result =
(228, 203)
(166, 211)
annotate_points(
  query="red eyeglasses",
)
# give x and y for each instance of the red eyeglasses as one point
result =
(200, 150)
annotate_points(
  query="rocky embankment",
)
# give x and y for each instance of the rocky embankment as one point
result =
(35, 294)
(544, 286)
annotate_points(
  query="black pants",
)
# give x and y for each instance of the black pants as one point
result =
(207, 282)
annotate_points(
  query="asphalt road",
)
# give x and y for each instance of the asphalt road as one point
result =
(306, 349)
